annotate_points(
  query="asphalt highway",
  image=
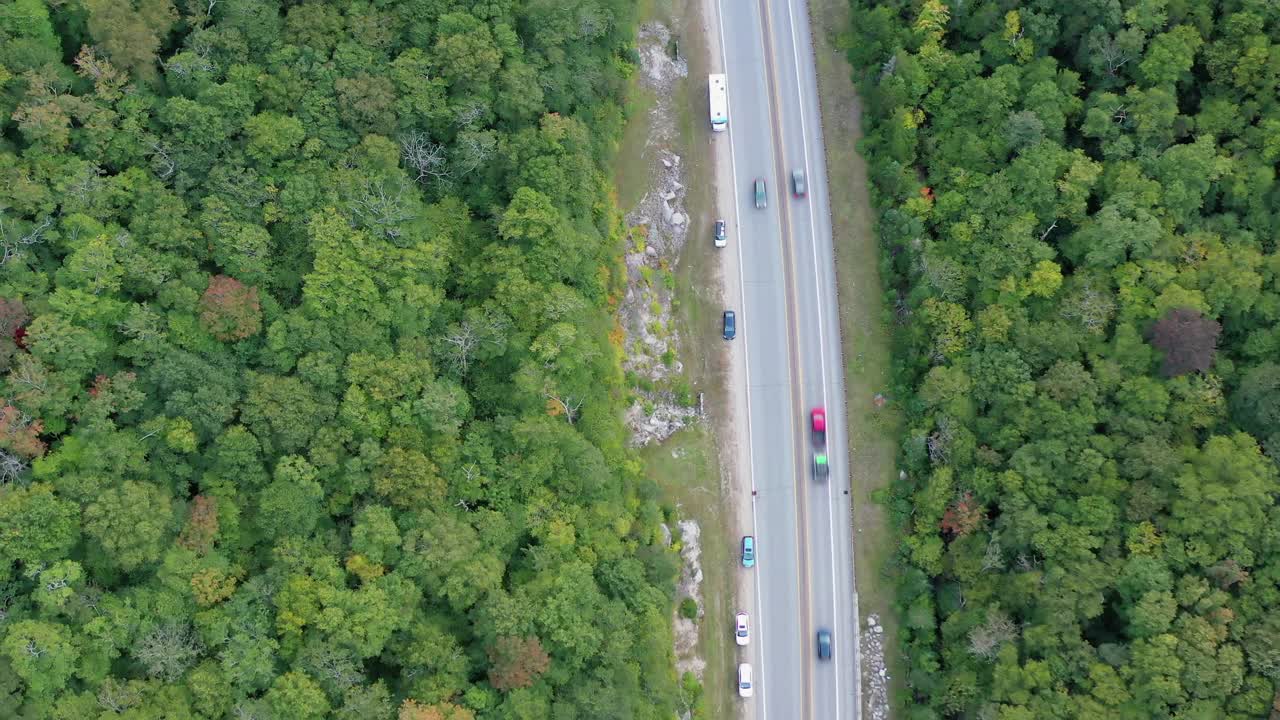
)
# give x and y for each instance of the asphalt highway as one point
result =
(787, 323)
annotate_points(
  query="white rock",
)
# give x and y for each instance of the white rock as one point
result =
(666, 163)
(677, 219)
(668, 195)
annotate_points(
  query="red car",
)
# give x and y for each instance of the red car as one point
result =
(819, 419)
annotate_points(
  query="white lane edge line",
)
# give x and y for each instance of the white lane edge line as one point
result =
(746, 362)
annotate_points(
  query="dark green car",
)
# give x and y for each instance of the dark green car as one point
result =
(761, 203)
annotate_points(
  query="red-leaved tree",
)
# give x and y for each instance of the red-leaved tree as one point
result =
(963, 517)
(202, 525)
(20, 434)
(517, 662)
(229, 309)
(1188, 339)
(13, 318)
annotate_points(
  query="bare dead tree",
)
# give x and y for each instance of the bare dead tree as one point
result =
(939, 442)
(1090, 307)
(1026, 564)
(473, 149)
(381, 209)
(117, 696)
(994, 557)
(467, 115)
(14, 237)
(470, 472)
(248, 710)
(943, 274)
(189, 63)
(986, 640)
(1048, 230)
(591, 22)
(168, 650)
(568, 405)
(1113, 55)
(243, 186)
(340, 668)
(426, 157)
(464, 339)
(87, 184)
(888, 66)
(162, 160)
(12, 466)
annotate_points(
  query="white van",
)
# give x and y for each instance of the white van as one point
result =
(744, 680)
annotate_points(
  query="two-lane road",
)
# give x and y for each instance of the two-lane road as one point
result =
(788, 323)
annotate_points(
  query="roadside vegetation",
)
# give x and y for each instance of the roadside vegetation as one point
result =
(1077, 213)
(309, 398)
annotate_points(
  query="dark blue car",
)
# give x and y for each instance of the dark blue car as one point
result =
(824, 644)
(730, 325)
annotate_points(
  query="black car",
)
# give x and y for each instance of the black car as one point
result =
(824, 644)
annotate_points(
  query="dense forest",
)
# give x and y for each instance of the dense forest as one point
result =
(1078, 212)
(309, 405)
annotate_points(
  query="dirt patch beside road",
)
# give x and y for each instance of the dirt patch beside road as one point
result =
(657, 228)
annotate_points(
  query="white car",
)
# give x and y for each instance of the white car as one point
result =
(744, 680)
(741, 629)
(721, 237)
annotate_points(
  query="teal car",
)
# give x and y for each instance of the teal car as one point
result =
(748, 551)
(761, 202)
